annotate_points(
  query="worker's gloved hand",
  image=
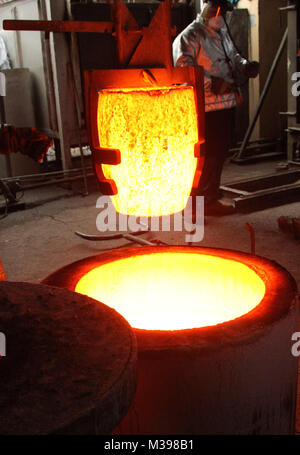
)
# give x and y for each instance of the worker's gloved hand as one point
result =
(219, 86)
(252, 69)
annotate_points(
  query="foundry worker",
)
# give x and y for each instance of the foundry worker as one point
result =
(207, 42)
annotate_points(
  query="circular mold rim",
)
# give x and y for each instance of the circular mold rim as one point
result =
(279, 299)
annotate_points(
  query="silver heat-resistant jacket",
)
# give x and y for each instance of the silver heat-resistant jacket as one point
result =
(199, 44)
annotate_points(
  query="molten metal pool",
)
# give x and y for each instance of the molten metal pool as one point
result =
(173, 291)
(155, 130)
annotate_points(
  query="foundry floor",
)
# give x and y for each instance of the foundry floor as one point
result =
(39, 240)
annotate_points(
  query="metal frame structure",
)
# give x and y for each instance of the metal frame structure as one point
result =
(284, 187)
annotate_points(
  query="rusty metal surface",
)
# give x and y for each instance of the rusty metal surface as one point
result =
(149, 46)
(154, 48)
(59, 26)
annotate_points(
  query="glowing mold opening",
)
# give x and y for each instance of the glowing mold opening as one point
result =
(174, 291)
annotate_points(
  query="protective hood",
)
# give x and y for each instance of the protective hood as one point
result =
(227, 5)
(216, 22)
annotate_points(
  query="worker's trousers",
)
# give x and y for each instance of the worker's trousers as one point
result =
(219, 127)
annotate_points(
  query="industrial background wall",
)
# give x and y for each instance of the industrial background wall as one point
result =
(267, 26)
(25, 51)
(26, 100)
(273, 24)
(239, 25)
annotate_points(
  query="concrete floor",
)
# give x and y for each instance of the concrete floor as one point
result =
(36, 241)
(39, 240)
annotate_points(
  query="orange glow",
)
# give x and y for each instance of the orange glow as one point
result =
(172, 291)
(155, 130)
(218, 11)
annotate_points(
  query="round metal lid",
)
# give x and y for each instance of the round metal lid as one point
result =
(70, 364)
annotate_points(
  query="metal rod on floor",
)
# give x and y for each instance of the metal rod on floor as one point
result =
(239, 155)
(45, 174)
(54, 182)
(130, 237)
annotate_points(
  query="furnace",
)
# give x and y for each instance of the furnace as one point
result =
(213, 330)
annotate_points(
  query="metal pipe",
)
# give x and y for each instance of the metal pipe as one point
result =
(132, 238)
(100, 238)
(2, 124)
(59, 26)
(44, 174)
(54, 182)
(78, 117)
(262, 97)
